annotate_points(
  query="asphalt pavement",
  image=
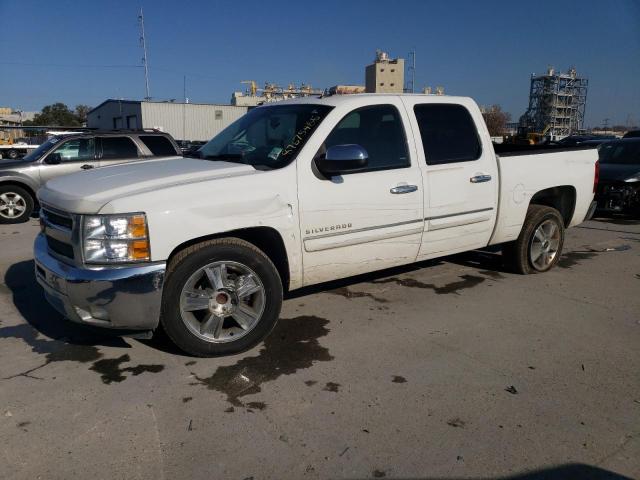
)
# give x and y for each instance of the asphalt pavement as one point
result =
(446, 369)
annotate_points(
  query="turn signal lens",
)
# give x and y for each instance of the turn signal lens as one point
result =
(139, 250)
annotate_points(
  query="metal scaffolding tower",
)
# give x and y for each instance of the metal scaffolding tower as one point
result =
(557, 104)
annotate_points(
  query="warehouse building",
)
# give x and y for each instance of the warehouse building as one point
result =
(184, 121)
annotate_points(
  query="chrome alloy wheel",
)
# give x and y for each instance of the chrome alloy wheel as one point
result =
(544, 245)
(12, 205)
(222, 302)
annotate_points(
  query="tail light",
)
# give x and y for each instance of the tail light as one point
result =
(596, 176)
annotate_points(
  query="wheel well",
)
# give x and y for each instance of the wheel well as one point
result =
(24, 186)
(561, 198)
(266, 239)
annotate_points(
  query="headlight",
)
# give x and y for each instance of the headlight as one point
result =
(115, 238)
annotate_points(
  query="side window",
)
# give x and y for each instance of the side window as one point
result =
(448, 133)
(118, 147)
(79, 149)
(158, 145)
(379, 130)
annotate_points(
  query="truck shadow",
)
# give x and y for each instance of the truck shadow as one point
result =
(571, 471)
(487, 262)
(41, 318)
(616, 219)
(29, 300)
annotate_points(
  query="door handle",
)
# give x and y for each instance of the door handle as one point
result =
(86, 166)
(480, 178)
(404, 189)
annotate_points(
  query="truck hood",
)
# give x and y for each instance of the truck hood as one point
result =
(618, 172)
(89, 191)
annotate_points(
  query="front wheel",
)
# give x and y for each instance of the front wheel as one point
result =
(220, 297)
(539, 245)
(16, 204)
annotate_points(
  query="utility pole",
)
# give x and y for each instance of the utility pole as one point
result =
(413, 70)
(184, 107)
(143, 41)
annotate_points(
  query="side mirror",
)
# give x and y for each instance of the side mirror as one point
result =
(53, 159)
(341, 159)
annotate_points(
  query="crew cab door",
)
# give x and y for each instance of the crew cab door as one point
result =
(72, 155)
(361, 221)
(461, 174)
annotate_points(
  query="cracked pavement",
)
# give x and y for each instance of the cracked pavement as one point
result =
(451, 368)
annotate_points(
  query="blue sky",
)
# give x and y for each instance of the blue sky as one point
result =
(85, 52)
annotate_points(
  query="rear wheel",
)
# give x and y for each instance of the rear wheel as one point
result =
(539, 244)
(221, 296)
(12, 154)
(16, 204)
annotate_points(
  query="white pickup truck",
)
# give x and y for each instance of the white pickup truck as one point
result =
(293, 194)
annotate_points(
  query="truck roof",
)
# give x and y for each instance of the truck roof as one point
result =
(338, 99)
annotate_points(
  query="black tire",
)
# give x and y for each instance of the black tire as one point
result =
(27, 201)
(12, 154)
(189, 261)
(516, 255)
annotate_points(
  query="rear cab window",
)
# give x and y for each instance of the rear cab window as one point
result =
(158, 145)
(448, 132)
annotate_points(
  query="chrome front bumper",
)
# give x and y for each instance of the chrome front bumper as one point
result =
(112, 297)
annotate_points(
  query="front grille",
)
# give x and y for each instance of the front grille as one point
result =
(59, 247)
(58, 220)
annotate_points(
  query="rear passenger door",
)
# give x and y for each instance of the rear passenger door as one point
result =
(461, 175)
(117, 150)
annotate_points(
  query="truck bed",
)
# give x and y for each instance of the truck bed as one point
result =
(510, 150)
(526, 171)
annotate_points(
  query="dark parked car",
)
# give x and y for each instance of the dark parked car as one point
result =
(632, 134)
(190, 147)
(65, 154)
(619, 185)
(577, 140)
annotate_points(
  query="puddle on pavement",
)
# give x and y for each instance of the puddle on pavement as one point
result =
(111, 370)
(468, 281)
(346, 293)
(332, 387)
(292, 346)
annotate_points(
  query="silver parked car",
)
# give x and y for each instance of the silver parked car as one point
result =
(62, 155)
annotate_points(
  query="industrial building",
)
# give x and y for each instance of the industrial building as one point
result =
(13, 118)
(271, 92)
(385, 75)
(557, 103)
(184, 121)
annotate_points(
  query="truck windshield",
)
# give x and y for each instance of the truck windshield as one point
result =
(623, 152)
(41, 150)
(269, 136)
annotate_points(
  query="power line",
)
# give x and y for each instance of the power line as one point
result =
(67, 65)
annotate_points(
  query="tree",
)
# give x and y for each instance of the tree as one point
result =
(496, 120)
(58, 114)
(81, 113)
